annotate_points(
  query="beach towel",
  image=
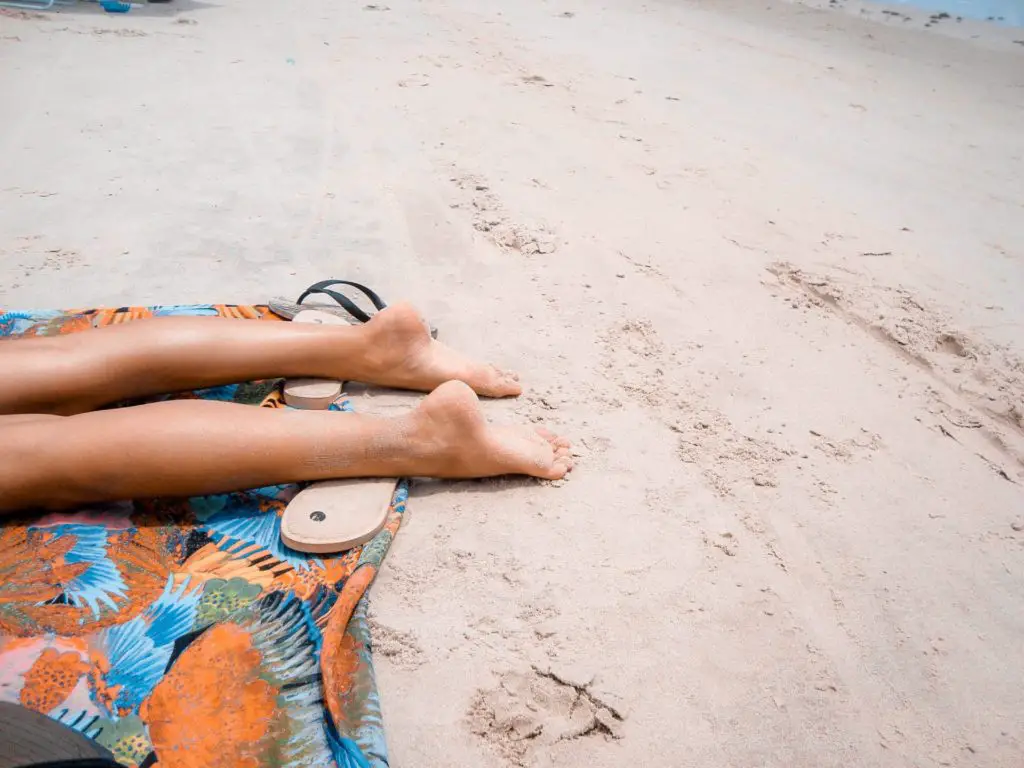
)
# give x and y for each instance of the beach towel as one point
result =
(182, 633)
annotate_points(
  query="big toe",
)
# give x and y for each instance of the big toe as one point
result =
(552, 462)
(560, 467)
(491, 381)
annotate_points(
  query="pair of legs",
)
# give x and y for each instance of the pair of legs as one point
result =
(57, 450)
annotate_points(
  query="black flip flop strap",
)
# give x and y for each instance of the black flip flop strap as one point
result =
(323, 287)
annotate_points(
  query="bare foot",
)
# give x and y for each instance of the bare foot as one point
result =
(404, 356)
(460, 443)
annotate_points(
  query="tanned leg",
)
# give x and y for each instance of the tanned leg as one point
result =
(194, 447)
(83, 371)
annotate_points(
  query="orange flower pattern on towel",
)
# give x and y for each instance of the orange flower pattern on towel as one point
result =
(52, 677)
(213, 707)
(182, 633)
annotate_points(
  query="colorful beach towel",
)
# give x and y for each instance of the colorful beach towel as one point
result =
(182, 633)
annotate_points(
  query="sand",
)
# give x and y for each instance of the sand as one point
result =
(762, 261)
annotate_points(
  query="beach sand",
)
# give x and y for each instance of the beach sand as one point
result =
(763, 262)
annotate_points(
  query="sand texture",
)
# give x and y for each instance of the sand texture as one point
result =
(763, 262)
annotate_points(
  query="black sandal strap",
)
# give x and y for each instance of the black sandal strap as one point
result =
(323, 287)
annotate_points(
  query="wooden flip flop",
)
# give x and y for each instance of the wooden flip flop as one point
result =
(343, 305)
(336, 515)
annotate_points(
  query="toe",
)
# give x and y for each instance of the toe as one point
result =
(493, 382)
(508, 384)
(559, 468)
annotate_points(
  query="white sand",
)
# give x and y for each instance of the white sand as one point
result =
(792, 538)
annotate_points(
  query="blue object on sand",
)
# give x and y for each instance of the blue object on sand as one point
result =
(115, 6)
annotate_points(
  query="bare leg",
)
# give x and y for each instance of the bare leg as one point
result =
(189, 447)
(24, 418)
(83, 371)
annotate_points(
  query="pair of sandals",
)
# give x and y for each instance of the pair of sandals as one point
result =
(332, 515)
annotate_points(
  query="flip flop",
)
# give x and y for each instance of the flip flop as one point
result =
(323, 288)
(335, 515)
(344, 306)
